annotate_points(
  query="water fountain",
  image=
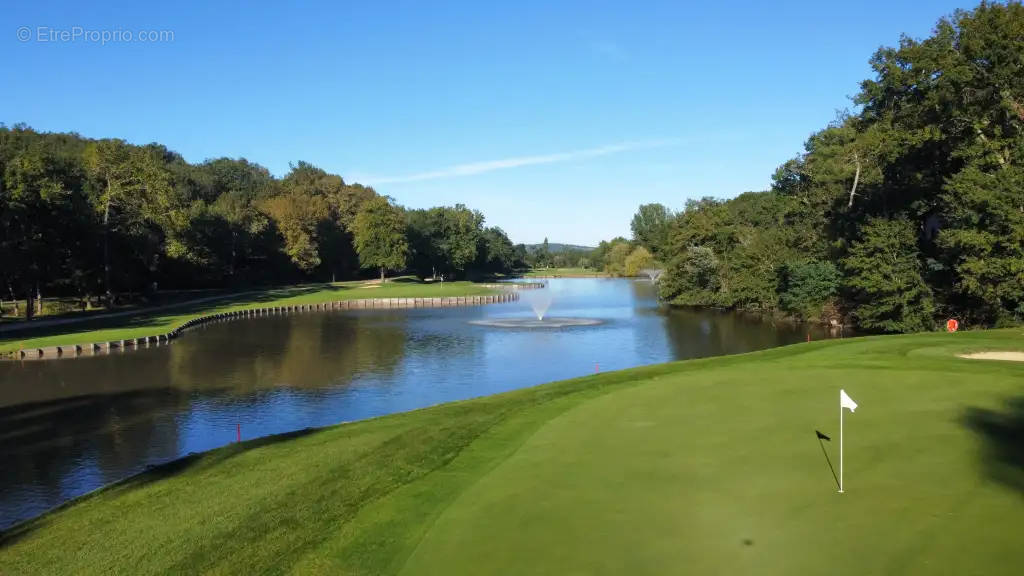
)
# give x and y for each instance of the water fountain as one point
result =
(540, 301)
(653, 273)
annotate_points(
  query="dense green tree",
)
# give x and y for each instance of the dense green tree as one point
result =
(750, 240)
(462, 228)
(952, 106)
(983, 242)
(445, 240)
(495, 254)
(615, 260)
(599, 256)
(81, 216)
(379, 230)
(297, 216)
(692, 278)
(637, 260)
(918, 193)
(343, 202)
(884, 277)
(542, 258)
(249, 232)
(133, 196)
(519, 256)
(650, 226)
(40, 201)
(806, 286)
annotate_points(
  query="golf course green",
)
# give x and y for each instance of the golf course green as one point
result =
(698, 467)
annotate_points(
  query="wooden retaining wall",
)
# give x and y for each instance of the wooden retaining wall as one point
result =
(514, 285)
(100, 348)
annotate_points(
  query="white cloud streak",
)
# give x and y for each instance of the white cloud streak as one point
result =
(473, 168)
(609, 50)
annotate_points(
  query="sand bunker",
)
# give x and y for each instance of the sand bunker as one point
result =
(1014, 356)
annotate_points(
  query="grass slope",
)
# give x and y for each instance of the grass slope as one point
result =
(152, 322)
(706, 466)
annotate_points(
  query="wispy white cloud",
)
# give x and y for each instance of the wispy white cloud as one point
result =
(609, 50)
(473, 168)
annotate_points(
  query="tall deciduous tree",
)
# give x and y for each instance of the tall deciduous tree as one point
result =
(445, 240)
(298, 216)
(379, 230)
(637, 260)
(133, 192)
(650, 226)
(615, 260)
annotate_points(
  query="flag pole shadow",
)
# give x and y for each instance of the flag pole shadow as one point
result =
(825, 454)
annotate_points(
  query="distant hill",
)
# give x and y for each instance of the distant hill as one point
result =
(555, 247)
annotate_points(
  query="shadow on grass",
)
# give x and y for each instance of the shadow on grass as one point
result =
(1003, 433)
(825, 454)
(150, 475)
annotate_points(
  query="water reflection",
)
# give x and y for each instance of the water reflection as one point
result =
(70, 426)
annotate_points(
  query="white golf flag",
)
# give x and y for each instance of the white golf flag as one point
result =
(846, 402)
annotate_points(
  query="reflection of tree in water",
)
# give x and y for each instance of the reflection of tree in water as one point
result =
(644, 292)
(312, 350)
(116, 373)
(62, 447)
(69, 426)
(699, 333)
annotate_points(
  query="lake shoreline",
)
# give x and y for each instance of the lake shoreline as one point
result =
(164, 321)
(456, 445)
(72, 351)
(293, 369)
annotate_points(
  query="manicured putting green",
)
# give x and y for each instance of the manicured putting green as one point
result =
(699, 467)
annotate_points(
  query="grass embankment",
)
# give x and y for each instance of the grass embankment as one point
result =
(706, 466)
(72, 307)
(151, 322)
(564, 273)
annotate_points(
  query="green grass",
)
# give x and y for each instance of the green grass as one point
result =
(152, 322)
(71, 307)
(697, 467)
(543, 272)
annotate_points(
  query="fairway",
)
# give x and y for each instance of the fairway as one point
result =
(699, 467)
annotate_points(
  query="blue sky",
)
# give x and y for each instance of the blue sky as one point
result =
(555, 119)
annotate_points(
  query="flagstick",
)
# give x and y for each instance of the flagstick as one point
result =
(840, 446)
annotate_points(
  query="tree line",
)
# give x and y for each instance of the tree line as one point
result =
(904, 212)
(617, 257)
(101, 218)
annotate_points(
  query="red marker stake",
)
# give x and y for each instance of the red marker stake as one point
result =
(238, 432)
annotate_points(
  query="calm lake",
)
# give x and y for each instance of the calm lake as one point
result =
(71, 426)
